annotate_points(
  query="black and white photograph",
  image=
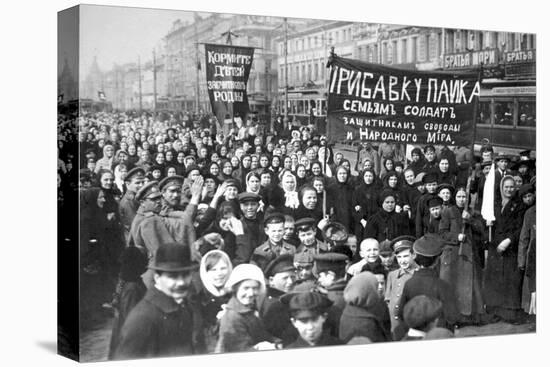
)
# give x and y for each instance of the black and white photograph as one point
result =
(234, 184)
(248, 183)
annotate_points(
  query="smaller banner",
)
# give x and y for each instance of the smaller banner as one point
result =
(371, 102)
(227, 71)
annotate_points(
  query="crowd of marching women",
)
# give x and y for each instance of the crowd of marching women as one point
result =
(210, 238)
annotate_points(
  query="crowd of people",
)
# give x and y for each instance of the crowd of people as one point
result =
(210, 238)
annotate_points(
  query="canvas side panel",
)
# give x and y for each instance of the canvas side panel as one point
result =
(67, 193)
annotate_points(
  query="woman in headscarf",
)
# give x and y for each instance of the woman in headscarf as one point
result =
(387, 166)
(502, 278)
(226, 171)
(252, 181)
(366, 314)
(462, 257)
(444, 174)
(287, 162)
(160, 160)
(132, 156)
(391, 183)
(180, 163)
(340, 194)
(240, 327)
(301, 176)
(107, 160)
(213, 169)
(310, 206)
(386, 223)
(243, 170)
(275, 164)
(365, 200)
(214, 271)
(120, 174)
(317, 171)
(284, 197)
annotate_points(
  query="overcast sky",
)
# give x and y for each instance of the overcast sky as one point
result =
(119, 35)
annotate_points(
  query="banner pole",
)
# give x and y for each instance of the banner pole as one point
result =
(327, 130)
(472, 147)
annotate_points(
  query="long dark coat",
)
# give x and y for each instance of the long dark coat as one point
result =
(365, 196)
(339, 197)
(276, 316)
(240, 329)
(527, 255)
(461, 262)
(502, 278)
(384, 225)
(158, 327)
(373, 324)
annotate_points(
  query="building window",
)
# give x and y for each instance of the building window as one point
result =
(303, 75)
(384, 53)
(375, 58)
(404, 51)
(413, 49)
(504, 113)
(308, 72)
(394, 52)
(527, 114)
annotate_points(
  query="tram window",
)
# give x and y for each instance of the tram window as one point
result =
(527, 114)
(484, 113)
(504, 113)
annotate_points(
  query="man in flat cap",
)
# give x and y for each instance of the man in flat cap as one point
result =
(421, 314)
(426, 280)
(280, 277)
(275, 244)
(308, 311)
(330, 270)
(252, 221)
(166, 322)
(402, 248)
(128, 204)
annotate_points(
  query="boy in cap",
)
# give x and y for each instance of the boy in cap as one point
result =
(290, 231)
(280, 277)
(422, 209)
(402, 248)
(421, 314)
(166, 322)
(306, 229)
(431, 223)
(275, 244)
(426, 280)
(308, 312)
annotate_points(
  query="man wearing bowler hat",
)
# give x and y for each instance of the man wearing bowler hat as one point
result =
(426, 281)
(166, 322)
(308, 314)
(280, 279)
(128, 204)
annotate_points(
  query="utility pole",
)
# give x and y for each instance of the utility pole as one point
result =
(139, 78)
(286, 69)
(197, 97)
(154, 82)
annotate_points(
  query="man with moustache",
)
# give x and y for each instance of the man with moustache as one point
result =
(166, 322)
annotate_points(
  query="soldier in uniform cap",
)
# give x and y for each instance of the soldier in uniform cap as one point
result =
(421, 314)
(166, 322)
(170, 225)
(303, 263)
(252, 221)
(426, 280)
(128, 204)
(275, 244)
(402, 248)
(308, 312)
(280, 277)
(149, 198)
(306, 230)
(171, 192)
